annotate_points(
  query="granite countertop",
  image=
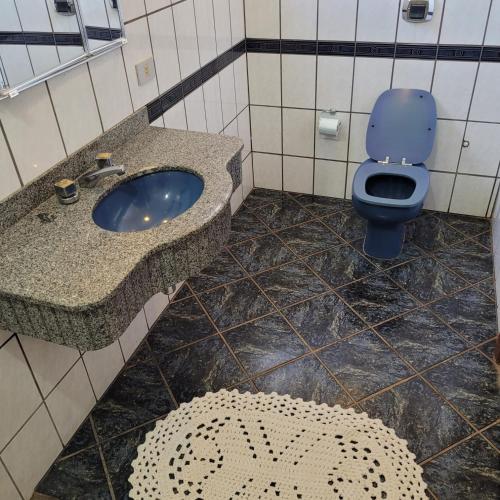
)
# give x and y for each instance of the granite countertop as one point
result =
(57, 256)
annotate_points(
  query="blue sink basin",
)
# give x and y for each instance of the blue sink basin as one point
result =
(147, 201)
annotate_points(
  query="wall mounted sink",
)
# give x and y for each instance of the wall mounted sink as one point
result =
(148, 201)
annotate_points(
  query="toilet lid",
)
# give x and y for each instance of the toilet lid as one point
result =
(402, 125)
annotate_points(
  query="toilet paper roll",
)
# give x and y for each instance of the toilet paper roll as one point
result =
(328, 125)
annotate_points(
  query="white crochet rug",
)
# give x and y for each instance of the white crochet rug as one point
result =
(229, 445)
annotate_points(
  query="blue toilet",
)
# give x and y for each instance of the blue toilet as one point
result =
(390, 187)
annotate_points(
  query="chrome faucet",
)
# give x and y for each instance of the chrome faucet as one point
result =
(105, 168)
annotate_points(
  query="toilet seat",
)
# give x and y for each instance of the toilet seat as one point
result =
(370, 168)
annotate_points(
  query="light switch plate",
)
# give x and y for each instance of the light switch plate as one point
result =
(145, 71)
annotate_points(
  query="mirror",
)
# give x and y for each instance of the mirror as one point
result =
(42, 38)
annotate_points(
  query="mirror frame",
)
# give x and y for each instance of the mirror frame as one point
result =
(87, 55)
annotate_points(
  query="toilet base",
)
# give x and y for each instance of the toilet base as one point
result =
(384, 241)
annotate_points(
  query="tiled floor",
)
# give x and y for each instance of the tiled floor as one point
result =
(293, 305)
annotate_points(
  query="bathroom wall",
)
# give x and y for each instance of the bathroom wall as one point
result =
(365, 48)
(46, 390)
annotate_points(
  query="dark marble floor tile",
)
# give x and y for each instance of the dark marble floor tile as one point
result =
(485, 239)
(340, 265)
(245, 387)
(118, 454)
(377, 298)
(467, 472)
(469, 312)
(83, 438)
(79, 477)
(348, 224)
(323, 320)
(135, 397)
(421, 338)
(426, 279)
(305, 378)
(245, 225)
(467, 224)
(468, 259)
(418, 415)
(223, 269)
(290, 283)
(470, 382)
(283, 214)
(489, 348)
(259, 197)
(322, 205)
(309, 238)
(493, 434)
(235, 303)
(262, 253)
(206, 366)
(364, 364)
(182, 323)
(487, 287)
(409, 252)
(430, 233)
(183, 293)
(265, 343)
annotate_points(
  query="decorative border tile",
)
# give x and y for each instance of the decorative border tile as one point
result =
(49, 38)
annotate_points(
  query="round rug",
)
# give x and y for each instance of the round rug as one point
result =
(228, 445)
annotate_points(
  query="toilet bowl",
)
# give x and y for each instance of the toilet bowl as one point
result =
(390, 187)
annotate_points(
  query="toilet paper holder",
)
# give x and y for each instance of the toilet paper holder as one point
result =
(329, 125)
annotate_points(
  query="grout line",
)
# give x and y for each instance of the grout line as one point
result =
(11, 153)
(11, 477)
(142, 16)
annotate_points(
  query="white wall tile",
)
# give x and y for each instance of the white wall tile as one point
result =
(298, 132)
(111, 88)
(464, 22)
(49, 362)
(43, 58)
(491, 206)
(372, 76)
(195, 111)
(136, 50)
(247, 175)
(298, 174)
(33, 16)
(213, 105)
(333, 148)
(71, 401)
(175, 117)
(103, 366)
(334, 83)
(232, 129)
(241, 83)
(138, 329)
(158, 123)
(30, 454)
(299, 78)
(161, 27)
(132, 9)
(152, 5)
(236, 199)
(452, 88)
(187, 42)
(486, 101)
(222, 25)
(377, 20)
(262, 18)
(330, 178)
(205, 26)
(493, 28)
(264, 77)
(228, 94)
(412, 74)
(357, 137)
(298, 19)
(4, 336)
(18, 392)
(17, 64)
(421, 32)
(7, 488)
(76, 107)
(237, 21)
(267, 171)
(31, 129)
(482, 157)
(337, 20)
(10, 181)
(440, 189)
(447, 146)
(471, 195)
(266, 129)
(351, 171)
(244, 131)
